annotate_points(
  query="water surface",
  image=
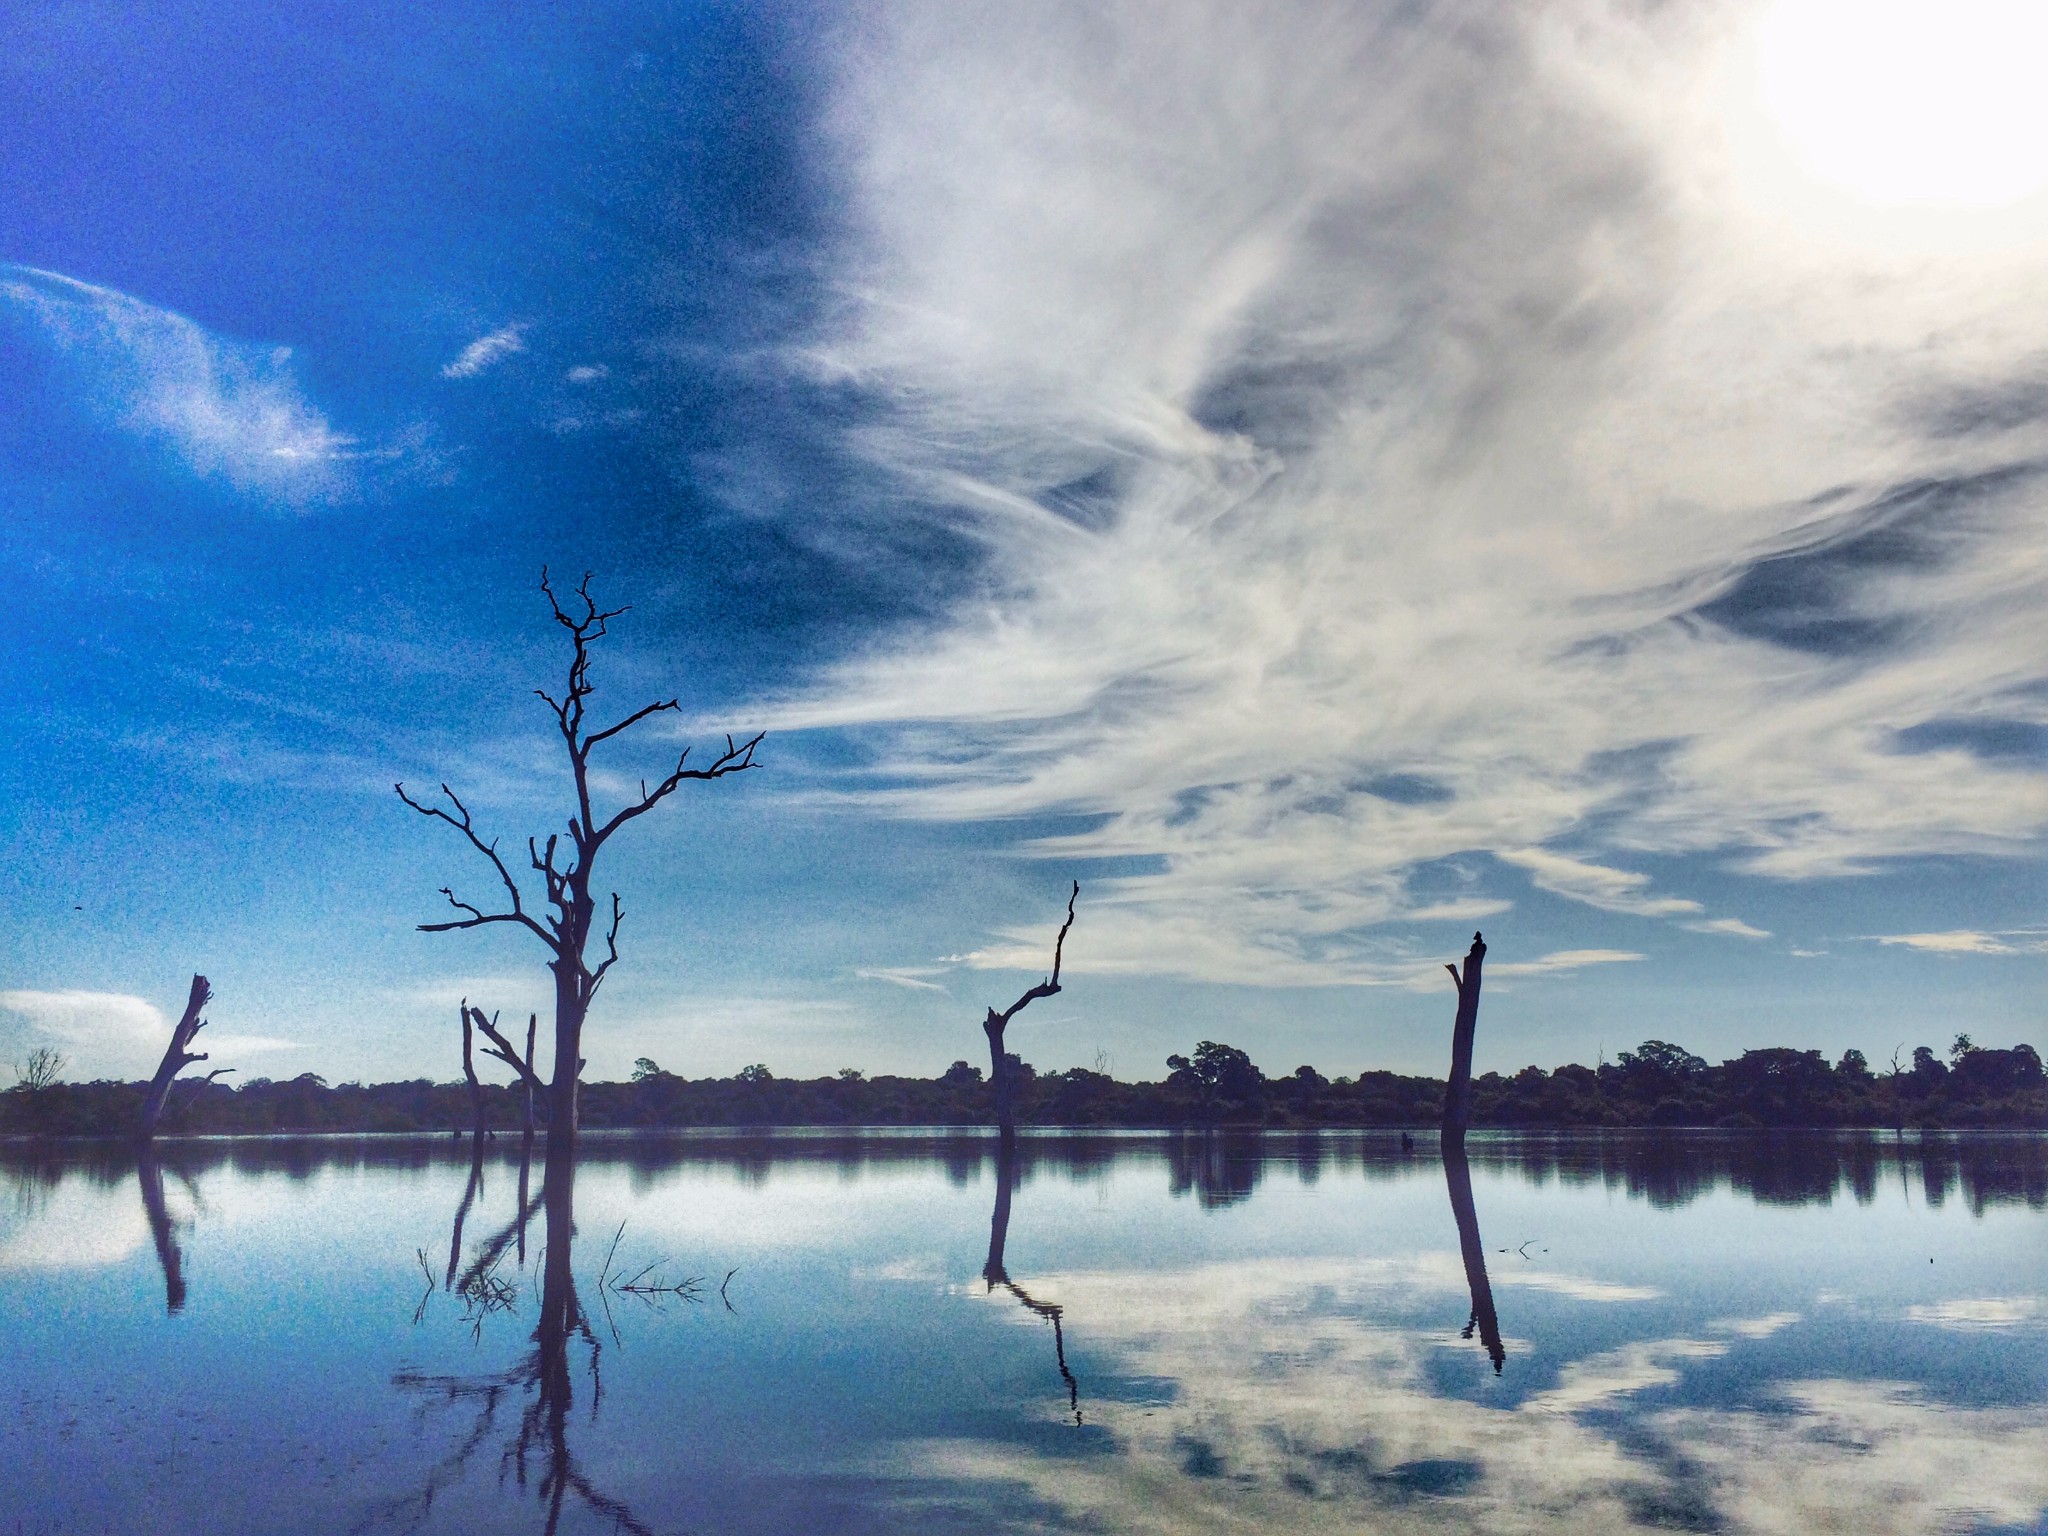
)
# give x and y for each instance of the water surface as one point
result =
(1124, 1332)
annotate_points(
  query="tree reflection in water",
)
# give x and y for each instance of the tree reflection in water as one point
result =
(994, 1273)
(149, 1175)
(1458, 1181)
(542, 1382)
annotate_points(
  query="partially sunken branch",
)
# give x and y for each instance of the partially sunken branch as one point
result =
(178, 1055)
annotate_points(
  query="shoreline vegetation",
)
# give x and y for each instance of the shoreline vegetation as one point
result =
(1656, 1085)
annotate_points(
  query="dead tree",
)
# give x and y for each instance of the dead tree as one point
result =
(567, 927)
(1001, 1079)
(1458, 1092)
(177, 1057)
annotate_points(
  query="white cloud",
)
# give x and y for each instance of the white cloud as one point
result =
(1357, 408)
(586, 373)
(1612, 890)
(1578, 1287)
(115, 1034)
(1977, 1313)
(1967, 941)
(232, 412)
(83, 1226)
(487, 352)
(1466, 910)
(1756, 1327)
(1734, 927)
(111, 1022)
(1291, 1376)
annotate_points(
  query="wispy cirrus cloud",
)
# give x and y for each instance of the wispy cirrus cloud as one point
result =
(489, 350)
(1564, 960)
(915, 978)
(230, 411)
(1392, 435)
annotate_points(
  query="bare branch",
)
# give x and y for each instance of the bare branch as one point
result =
(501, 1048)
(1051, 984)
(611, 944)
(735, 759)
(631, 720)
(477, 917)
(1060, 943)
(1456, 980)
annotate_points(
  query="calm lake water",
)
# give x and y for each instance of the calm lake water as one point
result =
(1139, 1332)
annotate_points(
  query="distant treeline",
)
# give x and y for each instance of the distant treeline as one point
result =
(1656, 1085)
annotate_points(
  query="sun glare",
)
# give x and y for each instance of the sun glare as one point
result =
(1912, 102)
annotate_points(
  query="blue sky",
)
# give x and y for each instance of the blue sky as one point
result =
(1328, 481)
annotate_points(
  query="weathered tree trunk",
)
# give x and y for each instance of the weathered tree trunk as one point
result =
(1458, 1180)
(476, 1088)
(1458, 1092)
(564, 1087)
(1001, 1083)
(176, 1058)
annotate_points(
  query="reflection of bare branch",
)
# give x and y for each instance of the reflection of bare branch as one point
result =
(543, 1377)
(490, 1251)
(419, 1312)
(410, 1511)
(1052, 1313)
(994, 1273)
(469, 1194)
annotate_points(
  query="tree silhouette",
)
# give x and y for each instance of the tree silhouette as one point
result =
(569, 922)
(1002, 1074)
(178, 1055)
(1458, 1091)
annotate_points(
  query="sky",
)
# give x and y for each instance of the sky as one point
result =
(1329, 478)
